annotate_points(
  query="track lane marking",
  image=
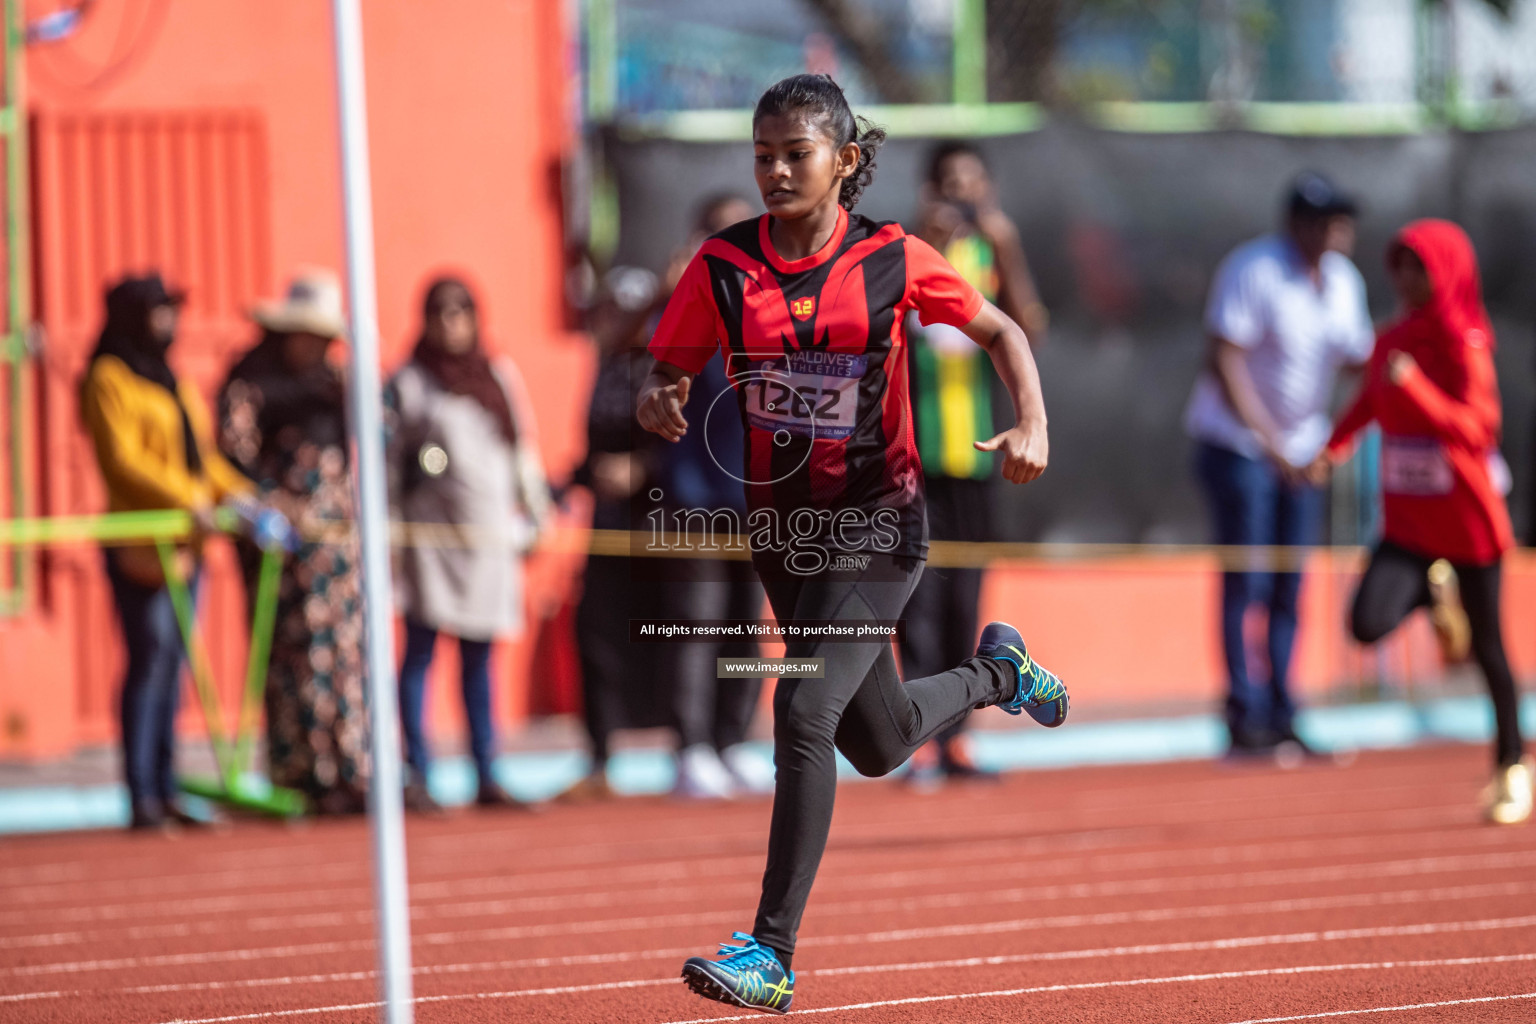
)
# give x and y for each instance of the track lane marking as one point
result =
(1081, 986)
(1387, 1009)
(970, 898)
(423, 911)
(1373, 763)
(1406, 818)
(599, 852)
(1204, 912)
(907, 1001)
(559, 990)
(1143, 949)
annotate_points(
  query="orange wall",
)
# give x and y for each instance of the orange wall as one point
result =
(467, 104)
(1139, 631)
(467, 120)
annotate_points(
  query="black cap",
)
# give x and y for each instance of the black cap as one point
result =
(142, 294)
(1313, 195)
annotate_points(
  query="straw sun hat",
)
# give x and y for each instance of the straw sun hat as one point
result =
(312, 306)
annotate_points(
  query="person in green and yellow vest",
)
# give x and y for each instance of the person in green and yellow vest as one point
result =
(951, 386)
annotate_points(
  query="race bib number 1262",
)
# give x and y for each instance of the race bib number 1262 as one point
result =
(809, 394)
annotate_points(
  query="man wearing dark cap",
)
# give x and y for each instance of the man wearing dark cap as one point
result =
(1286, 312)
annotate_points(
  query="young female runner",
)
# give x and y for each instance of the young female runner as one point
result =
(808, 302)
(1431, 387)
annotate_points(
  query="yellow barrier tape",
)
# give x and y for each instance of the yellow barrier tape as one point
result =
(116, 528)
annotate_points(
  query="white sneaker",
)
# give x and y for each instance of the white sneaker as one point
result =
(702, 776)
(1508, 799)
(751, 771)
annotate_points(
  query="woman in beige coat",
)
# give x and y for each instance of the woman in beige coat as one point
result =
(466, 476)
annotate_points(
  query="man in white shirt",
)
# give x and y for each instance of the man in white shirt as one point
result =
(1286, 312)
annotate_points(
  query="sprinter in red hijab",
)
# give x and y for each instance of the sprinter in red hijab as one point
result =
(1431, 387)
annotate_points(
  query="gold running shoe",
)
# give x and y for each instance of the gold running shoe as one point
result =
(1507, 800)
(1452, 628)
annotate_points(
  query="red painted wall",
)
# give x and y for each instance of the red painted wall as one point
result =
(467, 121)
(1143, 631)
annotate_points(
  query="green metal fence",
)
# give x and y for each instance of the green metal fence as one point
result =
(13, 132)
(687, 68)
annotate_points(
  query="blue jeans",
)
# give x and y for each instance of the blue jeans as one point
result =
(151, 688)
(475, 662)
(1251, 503)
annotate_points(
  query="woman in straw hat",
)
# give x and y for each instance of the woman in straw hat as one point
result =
(283, 421)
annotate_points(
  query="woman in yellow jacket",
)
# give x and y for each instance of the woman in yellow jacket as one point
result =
(155, 450)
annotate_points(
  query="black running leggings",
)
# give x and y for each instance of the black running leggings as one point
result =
(1397, 582)
(860, 707)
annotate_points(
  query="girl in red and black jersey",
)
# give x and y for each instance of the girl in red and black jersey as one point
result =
(1431, 387)
(808, 303)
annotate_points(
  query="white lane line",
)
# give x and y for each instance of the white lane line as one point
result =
(830, 887)
(911, 1000)
(1195, 946)
(1146, 949)
(1176, 914)
(177, 959)
(1185, 813)
(1382, 1009)
(424, 910)
(966, 898)
(154, 885)
(425, 896)
(326, 875)
(1206, 912)
(556, 990)
(544, 905)
(1082, 986)
(586, 833)
(1208, 792)
(22, 997)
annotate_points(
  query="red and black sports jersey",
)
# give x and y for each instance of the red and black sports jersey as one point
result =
(815, 352)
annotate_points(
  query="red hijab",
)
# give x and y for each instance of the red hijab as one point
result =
(1455, 311)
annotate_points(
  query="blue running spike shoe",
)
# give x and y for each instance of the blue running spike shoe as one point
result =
(748, 975)
(1040, 692)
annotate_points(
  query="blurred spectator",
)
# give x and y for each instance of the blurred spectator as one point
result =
(1432, 388)
(951, 380)
(1286, 311)
(155, 449)
(283, 421)
(463, 452)
(704, 471)
(962, 219)
(620, 461)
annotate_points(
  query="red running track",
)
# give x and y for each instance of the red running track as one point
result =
(1188, 892)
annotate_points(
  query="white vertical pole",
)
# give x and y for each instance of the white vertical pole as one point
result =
(385, 803)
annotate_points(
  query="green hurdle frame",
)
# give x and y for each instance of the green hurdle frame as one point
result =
(236, 785)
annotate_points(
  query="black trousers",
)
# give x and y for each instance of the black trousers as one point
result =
(151, 688)
(608, 598)
(1397, 581)
(861, 707)
(942, 618)
(716, 712)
